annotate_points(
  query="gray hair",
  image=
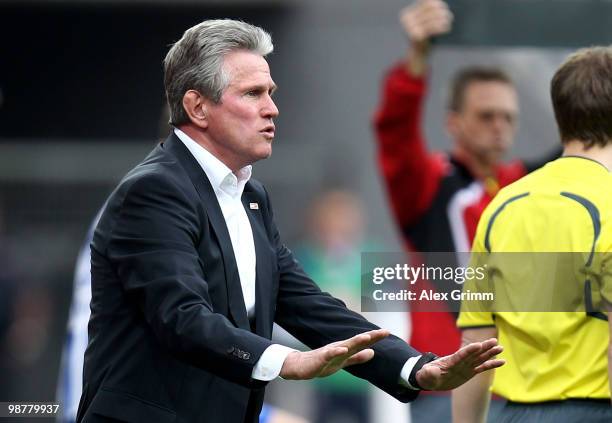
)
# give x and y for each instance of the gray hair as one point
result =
(195, 62)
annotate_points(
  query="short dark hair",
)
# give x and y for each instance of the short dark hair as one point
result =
(581, 93)
(469, 75)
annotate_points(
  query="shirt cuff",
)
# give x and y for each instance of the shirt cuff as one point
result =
(270, 363)
(406, 370)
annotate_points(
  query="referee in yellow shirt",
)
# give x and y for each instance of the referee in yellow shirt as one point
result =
(558, 363)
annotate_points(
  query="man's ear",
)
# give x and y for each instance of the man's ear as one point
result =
(195, 105)
(452, 124)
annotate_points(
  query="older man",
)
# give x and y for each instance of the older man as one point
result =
(189, 272)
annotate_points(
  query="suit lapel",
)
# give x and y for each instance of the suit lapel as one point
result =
(215, 216)
(263, 269)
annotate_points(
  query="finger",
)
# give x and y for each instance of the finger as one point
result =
(489, 343)
(476, 350)
(378, 334)
(432, 12)
(489, 365)
(487, 355)
(360, 357)
(466, 353)
(333, 353)
(418, 14)
(487, 346)
(364, 340)
(416, 20)
(430, 21)
(435, 27)
(433, 8)
(356, 341)
(466, 356)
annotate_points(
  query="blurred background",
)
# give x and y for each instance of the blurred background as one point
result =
(80, 98)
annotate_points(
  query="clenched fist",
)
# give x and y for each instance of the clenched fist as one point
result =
(425, 19)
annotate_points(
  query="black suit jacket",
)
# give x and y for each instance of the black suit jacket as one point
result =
(169, 337)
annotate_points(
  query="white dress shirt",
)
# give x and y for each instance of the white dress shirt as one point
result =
(228, 189)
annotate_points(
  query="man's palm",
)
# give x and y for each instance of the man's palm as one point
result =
(329, 359)
(453, 370)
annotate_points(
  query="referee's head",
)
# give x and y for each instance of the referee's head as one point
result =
(581, 92)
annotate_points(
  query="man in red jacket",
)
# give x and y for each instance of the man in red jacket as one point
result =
(437, 198)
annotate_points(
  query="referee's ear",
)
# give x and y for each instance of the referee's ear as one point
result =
(195, 105)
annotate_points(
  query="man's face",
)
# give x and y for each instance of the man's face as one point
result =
(241, 123)
(486, 124)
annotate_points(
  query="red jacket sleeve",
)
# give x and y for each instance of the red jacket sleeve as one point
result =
(411, 174)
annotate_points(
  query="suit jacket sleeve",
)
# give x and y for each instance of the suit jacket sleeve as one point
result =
(153, 250)
(316, 319)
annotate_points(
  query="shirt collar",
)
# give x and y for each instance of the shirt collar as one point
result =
(586, 162)
(220, 176)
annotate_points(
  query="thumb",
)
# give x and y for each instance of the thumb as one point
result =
(427, 376)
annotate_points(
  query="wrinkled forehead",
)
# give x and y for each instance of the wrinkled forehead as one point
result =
(490, 95)
(241, 65)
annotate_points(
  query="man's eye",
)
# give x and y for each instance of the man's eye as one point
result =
(253, 93)
(486, 116)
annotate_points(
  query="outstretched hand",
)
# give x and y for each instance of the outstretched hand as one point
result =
(329, 359)
(453, 370)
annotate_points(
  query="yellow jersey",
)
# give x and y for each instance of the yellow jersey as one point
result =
(566, 206)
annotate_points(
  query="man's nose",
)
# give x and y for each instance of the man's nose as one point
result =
(500, 122)
(270, 110)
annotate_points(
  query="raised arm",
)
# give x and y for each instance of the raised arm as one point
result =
(422, 21)
(410, 172)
